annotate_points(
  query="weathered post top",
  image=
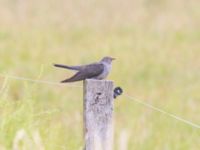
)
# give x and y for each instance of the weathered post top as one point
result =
(98, 109)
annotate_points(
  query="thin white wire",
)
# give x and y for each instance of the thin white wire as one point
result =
(164, 112)
(47, 112)
(37, 81)
(4, 85)
(130, 97)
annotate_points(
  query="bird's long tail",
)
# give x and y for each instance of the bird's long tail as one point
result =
(68, 67)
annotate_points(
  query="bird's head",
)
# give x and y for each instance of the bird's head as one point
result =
(107, 59)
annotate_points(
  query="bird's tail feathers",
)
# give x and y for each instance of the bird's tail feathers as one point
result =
(67, 67)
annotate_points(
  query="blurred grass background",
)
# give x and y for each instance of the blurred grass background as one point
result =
(156, 43)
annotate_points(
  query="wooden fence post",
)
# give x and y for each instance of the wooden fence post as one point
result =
(98, 109)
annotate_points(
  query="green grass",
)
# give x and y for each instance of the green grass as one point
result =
(157, 49)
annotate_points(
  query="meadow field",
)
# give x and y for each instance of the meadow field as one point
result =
(156, 44)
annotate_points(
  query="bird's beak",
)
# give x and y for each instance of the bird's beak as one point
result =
(113, 58)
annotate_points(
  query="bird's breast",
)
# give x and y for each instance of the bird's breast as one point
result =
(105, 72)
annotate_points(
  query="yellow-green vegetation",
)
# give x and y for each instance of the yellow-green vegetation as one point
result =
(156, 43)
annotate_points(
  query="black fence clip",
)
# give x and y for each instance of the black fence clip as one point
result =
(117, 91)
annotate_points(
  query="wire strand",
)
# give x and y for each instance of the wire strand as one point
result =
(164, 112)
(126, 95)
(37, 81)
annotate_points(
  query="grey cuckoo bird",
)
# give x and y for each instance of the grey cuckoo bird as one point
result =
(98, 70)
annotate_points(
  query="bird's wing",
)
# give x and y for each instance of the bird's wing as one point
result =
(87, 71)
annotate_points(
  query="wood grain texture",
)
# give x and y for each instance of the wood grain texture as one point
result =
(98, 110)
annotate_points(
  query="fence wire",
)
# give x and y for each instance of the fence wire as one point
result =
(171, 115)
